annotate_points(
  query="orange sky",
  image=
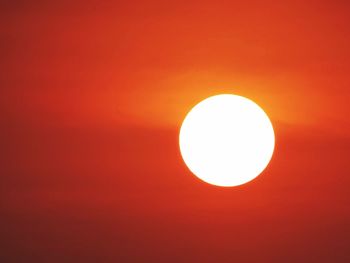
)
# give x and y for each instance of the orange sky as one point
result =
(92, 95)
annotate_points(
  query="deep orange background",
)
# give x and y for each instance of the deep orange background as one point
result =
(92, 97)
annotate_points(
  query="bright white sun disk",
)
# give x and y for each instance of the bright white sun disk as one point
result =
(226, 140)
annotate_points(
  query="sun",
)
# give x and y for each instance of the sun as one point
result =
(226, 140)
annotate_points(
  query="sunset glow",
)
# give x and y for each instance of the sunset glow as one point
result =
(154, 131)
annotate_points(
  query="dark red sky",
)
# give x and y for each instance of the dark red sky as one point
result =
(92, 96)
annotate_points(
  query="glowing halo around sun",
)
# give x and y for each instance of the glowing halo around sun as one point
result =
(226, 140)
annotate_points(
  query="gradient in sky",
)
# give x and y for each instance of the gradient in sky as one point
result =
(92, 96)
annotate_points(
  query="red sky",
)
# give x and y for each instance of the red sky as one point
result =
(92, 96)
